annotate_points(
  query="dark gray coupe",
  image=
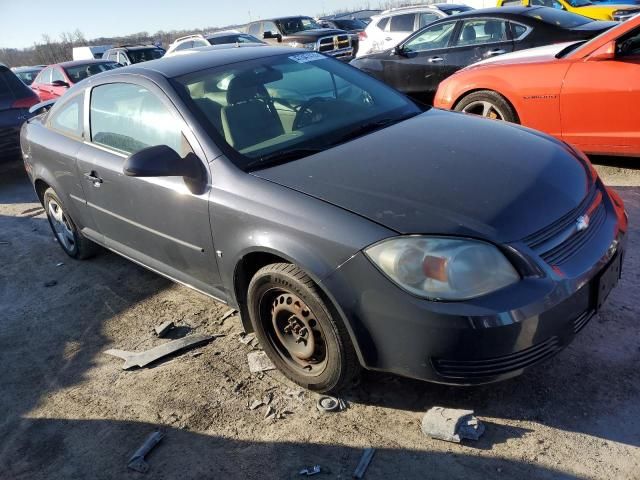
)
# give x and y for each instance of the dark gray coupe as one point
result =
(348, 226)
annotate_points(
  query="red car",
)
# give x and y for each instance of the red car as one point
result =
(54, 80)
(587, 94)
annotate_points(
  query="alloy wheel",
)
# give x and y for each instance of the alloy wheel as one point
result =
(484, 109)
(62, 227)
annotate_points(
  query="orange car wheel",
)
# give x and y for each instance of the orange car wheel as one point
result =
(489, 104)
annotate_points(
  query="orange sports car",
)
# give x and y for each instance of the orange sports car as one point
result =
(587, 94)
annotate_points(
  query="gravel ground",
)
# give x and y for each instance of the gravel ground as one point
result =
(69, 411)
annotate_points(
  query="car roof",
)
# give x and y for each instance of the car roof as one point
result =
(178, 65)
(285, 17)
(133, 47)
(223, 33)
(28, 68)
(77, 63)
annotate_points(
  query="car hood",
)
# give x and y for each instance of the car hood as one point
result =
(538, 54)
(445, 173)
(605, 7)
(318, 33)
(597, 26)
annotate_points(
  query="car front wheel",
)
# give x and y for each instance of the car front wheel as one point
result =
(298, 331)
(489, 104)
(67, 234)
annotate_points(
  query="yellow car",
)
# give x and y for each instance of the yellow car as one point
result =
(597, 11)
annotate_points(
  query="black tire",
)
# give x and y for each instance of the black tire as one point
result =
(500, 108)
(280, 294)
(64, 228)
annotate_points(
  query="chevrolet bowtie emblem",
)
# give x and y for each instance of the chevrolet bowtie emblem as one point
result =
(336, 44)
(582, 223)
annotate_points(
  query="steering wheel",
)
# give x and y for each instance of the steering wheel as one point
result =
(305, 113)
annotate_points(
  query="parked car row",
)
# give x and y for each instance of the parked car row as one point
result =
(418, 64)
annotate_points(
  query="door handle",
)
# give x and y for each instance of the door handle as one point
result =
(388, 39)
(495, 51)
(435, 59)
(93, 178)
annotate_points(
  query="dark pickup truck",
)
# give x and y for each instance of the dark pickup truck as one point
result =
(304, 32)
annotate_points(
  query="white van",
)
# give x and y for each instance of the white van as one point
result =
(90, 53)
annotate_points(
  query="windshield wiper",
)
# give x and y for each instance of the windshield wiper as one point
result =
(282, 157)
(372, 127)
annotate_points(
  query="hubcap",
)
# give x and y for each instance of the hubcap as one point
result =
(484, 109)
(296, 333)
(61, 225)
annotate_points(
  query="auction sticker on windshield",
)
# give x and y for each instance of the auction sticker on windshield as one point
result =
(307, 57)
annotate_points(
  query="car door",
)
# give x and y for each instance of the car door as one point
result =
(600, 99)
(419, 64)
(59, 82)
(478, 39)
(399, 27)
(42, 84)
(157, 221)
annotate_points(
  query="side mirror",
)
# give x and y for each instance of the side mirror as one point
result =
(268, 35)
(164, 161)
(605, 52)
(60, 83)
(399, 50)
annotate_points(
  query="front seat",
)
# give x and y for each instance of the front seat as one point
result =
(249, 117)
(494, 30)
(468, 34)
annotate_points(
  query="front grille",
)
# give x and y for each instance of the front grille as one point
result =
(558, 242)
(581, 322)
(497, 365)
(336, 42)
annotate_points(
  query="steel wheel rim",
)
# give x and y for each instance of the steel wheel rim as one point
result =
(485, 109)
(61, 226)
(294, 332)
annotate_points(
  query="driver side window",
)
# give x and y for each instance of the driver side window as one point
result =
(56, 75)
(629, 45)
(434, 37)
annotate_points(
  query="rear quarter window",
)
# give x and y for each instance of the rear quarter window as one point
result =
(67, 118)
(402, 23)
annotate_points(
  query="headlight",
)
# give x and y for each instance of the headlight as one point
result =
(443, 268)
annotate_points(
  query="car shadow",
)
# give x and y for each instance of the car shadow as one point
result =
(104, 454)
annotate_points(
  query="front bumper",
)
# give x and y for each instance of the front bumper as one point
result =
(483, 340)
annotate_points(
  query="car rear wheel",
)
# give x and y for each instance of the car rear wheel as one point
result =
(67, 234)
(298, 331)
(489, 104)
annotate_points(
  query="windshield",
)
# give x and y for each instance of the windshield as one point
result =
(559, 18)
(28, 76)
(144, 55)
(285, 107)
(349, 24)
(80, 72)
(292, 25)
(233, 38)
(455, 10)
(579, 3)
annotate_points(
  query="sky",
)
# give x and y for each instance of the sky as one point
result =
(23, 22)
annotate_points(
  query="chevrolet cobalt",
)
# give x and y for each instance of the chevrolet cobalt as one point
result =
(349, 227)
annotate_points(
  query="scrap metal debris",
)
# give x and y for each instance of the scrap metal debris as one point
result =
(259, 362)
(162, 329)
(256, 404)
(142, 359)
(270, 413)
(247, 338)
(228, 314)
(330, 404)
(364, 462)
(137, 461)
(451, 425)
(309, 471)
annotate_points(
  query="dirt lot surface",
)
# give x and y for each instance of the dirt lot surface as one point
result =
(68, 411)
